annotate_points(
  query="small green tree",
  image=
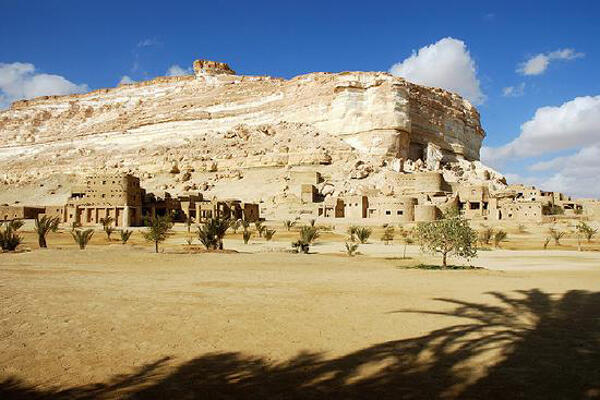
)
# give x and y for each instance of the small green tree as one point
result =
(351, 248)
(308, 234)
(9, 238)
(125, 235)
(486, 235)
(107, 226)
(586, 230)
(499, 237)
(287, 224)
(212, 232)
(388, 235)
(556, 235)
(451, 235)
(43, 226)
(158, 229)
(363, 234)
(269, 234)
(82, 237)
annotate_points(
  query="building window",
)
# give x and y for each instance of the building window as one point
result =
(399, 212)
(388, 212)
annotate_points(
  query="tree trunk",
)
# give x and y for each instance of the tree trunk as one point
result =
(444, 265)
(42, 241)
(156, 247)
(404, 255)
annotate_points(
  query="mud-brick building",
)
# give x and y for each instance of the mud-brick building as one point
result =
(228, 208)
(100, 196)
(9, 213)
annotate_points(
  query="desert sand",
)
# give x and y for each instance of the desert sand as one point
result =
(118, 321)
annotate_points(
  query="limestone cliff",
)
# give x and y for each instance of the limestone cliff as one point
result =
(220, 122)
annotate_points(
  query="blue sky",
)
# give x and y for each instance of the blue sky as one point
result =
(97, 43)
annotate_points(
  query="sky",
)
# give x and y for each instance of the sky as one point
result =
(532, 68)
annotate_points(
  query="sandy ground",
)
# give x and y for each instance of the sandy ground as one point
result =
(117, 321)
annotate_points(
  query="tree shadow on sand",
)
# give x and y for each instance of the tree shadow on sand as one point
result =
(529, 345)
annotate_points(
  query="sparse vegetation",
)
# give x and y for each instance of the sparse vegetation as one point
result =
(451, 235)
(351, 249)
(556, 235)
(288, 225)
(75, 225)
(388, 235)
(363, 234)
(125, 235)
(486, 235)
(352, 232)
(269, 234)
(82, 237)
(546, 243)
(158, 229)
(499, 237)
(586, 230)
(236, 225)
(107, 226)
(43, 226)
(9, 238)
(308, 234)
(556, 210)
(212, 232)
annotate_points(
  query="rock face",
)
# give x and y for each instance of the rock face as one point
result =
(217, 121)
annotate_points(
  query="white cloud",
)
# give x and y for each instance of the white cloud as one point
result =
(538, 64)
(148, 43)
(514, 91)
(446, 64)
(176, 70)
(575, 126)
(126, 79)
(20, 81)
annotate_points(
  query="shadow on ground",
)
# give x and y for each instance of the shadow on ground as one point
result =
(545, 347)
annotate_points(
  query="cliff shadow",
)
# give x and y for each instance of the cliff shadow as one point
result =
(544, 347)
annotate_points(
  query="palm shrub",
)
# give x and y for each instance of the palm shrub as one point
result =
(312, 222)
(546, 242)
(75, 225)
(246, 236)
(351, 248)
(287, 224)
(212, 232)
(107, 226)
(308, 234)
(587, 231)
(9, 238)
(556, 235)
(269, 234)
(352, 232)
(363, 234)
(499, 237)
(125, 235)
(451, 235)
(157, 230)
(43, 226)
(82, 237)
(388, 235)
(235, 225)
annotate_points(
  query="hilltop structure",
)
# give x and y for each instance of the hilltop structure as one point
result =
(334, 145)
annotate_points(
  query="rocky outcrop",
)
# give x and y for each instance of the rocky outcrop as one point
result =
(217, 121)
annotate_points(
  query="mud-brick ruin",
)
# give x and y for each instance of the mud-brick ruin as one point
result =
(344, 146)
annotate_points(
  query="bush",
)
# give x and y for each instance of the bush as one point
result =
(486, 235)
(308, 234)
(352, 232)
(269, 234)
(351, 248)
(158, 229)
(556, 235)
(388, 235)
(287, 224)
(82, 238)
(260, 228)
(107, 226)
(43, 226)
(499, 237)
(451, 235)
(9, 238)
(587, 231)
(212, 232)
(125, 235)
(363, 234)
